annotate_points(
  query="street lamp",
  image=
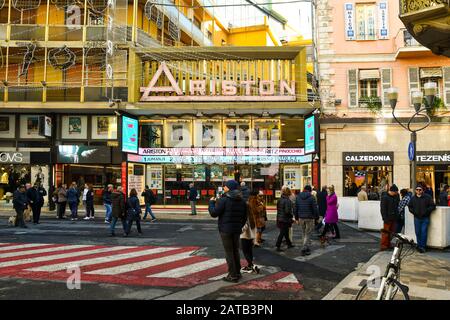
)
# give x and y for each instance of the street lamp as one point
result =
(421, 111)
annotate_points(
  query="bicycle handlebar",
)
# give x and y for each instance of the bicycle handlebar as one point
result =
(400, 237)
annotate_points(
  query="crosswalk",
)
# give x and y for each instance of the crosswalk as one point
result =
(132, 265)
(158, 266)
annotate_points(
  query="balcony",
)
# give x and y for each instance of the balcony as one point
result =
(428, 21)
(407, 47)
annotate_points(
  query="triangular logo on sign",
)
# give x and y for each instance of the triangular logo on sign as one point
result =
(152, 88)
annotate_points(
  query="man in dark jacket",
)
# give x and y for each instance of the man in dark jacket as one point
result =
(322, 203)
(389, 212)
(421, 206)
(107, 202)
(443, 197)
(306, 212)
(149, 199)
(232, 212)
(35, 197)
(193, 199)
(73, 199)
(245, 191)
(118, 211)
(20, 203)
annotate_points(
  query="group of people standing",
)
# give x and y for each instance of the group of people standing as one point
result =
(27, 198)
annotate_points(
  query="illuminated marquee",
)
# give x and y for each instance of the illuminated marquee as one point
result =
(229, 90)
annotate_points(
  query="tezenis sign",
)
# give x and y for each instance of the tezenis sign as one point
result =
(229, 90)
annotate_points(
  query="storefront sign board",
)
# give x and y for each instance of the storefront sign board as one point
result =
(367, 158)
(18, 157)
(433, 157)
(221, 151)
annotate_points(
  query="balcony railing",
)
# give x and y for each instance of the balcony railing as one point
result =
(409, 6)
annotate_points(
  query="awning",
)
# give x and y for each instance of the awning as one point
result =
(431, 72)
(369, 74)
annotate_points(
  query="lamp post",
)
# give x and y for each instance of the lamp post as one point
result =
(420, 111)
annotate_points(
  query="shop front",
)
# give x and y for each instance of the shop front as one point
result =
(170, 173)
(21, 167)
(371, 169)
(95, 165)
(433, 169)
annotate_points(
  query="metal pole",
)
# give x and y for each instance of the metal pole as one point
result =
(413, 162)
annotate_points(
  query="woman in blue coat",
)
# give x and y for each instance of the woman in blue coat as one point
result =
(133, 212)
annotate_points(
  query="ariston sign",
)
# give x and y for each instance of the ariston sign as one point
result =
(229, 90)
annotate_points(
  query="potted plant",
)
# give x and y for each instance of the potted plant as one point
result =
(372, 103)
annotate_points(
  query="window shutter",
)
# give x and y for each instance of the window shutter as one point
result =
(386, 83)
(352, 80)
(446, 82)
(414, 81)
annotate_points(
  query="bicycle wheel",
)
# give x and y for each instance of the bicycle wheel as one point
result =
(370, 293)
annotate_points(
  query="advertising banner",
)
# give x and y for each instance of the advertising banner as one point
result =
(130, 131)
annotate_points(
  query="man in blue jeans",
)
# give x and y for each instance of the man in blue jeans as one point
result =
(421, 206)
(150, 199)
(107, 202)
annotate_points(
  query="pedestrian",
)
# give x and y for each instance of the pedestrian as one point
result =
(35, 197)
(443, 196)
(245, 191)
(85, 191)
(150, 199)
(89, 196)
(322, 204)
(62, 200)
(248, 236)
(285, 217)
(27, 214)
(231, 210)
(107, 202)
(421, 206)
(73, 199)
(406, 197)
(306, 212)
(193, 199)
(20, 203)
(133, 213)
(118, 211)
(389, 206)
(263, 221)
(331, 216)
(256, 209)
(427, 190)
(362, 194)
(374, 195)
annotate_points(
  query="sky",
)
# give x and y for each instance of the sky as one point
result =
(298, 15)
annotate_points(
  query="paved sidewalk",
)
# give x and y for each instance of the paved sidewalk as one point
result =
(426, 275)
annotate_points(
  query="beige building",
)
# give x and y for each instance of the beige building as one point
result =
(363, 49)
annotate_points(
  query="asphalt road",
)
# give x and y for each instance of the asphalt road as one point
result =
(174, 259)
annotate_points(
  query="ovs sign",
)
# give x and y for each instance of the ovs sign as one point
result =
(14, 157)
(228, 92)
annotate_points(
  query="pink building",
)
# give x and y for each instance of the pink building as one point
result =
(364, 49)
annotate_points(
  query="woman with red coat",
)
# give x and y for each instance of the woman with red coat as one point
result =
(331, 216)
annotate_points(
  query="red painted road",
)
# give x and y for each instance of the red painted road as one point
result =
(139, 265)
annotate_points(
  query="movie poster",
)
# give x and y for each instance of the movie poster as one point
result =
(75, 125)
(102, 126)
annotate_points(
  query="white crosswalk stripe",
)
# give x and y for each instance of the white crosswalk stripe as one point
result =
(23, 246)
(88, 262)
(46, 250)
(141, 265)
(187, 270)
(61, 256)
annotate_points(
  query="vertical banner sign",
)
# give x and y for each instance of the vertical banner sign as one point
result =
(315, 174)
(349, 11)
(310, 135)
(110, 48)
(124, 173)
(130, 129)
(383, 20)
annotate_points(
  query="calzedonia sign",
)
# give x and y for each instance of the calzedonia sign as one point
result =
(368, 158)
(224, 90)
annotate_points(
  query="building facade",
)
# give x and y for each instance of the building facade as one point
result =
(71, 69)
(363, 49)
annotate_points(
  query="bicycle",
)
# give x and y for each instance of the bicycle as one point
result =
(390, 287)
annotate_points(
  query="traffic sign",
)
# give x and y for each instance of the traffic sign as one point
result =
(411, 151)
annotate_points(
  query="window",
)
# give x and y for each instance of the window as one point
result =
(365, 21)
(375, 178)
(368, 88)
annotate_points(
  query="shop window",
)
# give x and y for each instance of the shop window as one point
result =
(292, 133)
(365, 21)
(375, 178)
(266, 133)
(208, 133)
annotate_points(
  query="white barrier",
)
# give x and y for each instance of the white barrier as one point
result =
(369, 216)
(438, 230)
(348, 208)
